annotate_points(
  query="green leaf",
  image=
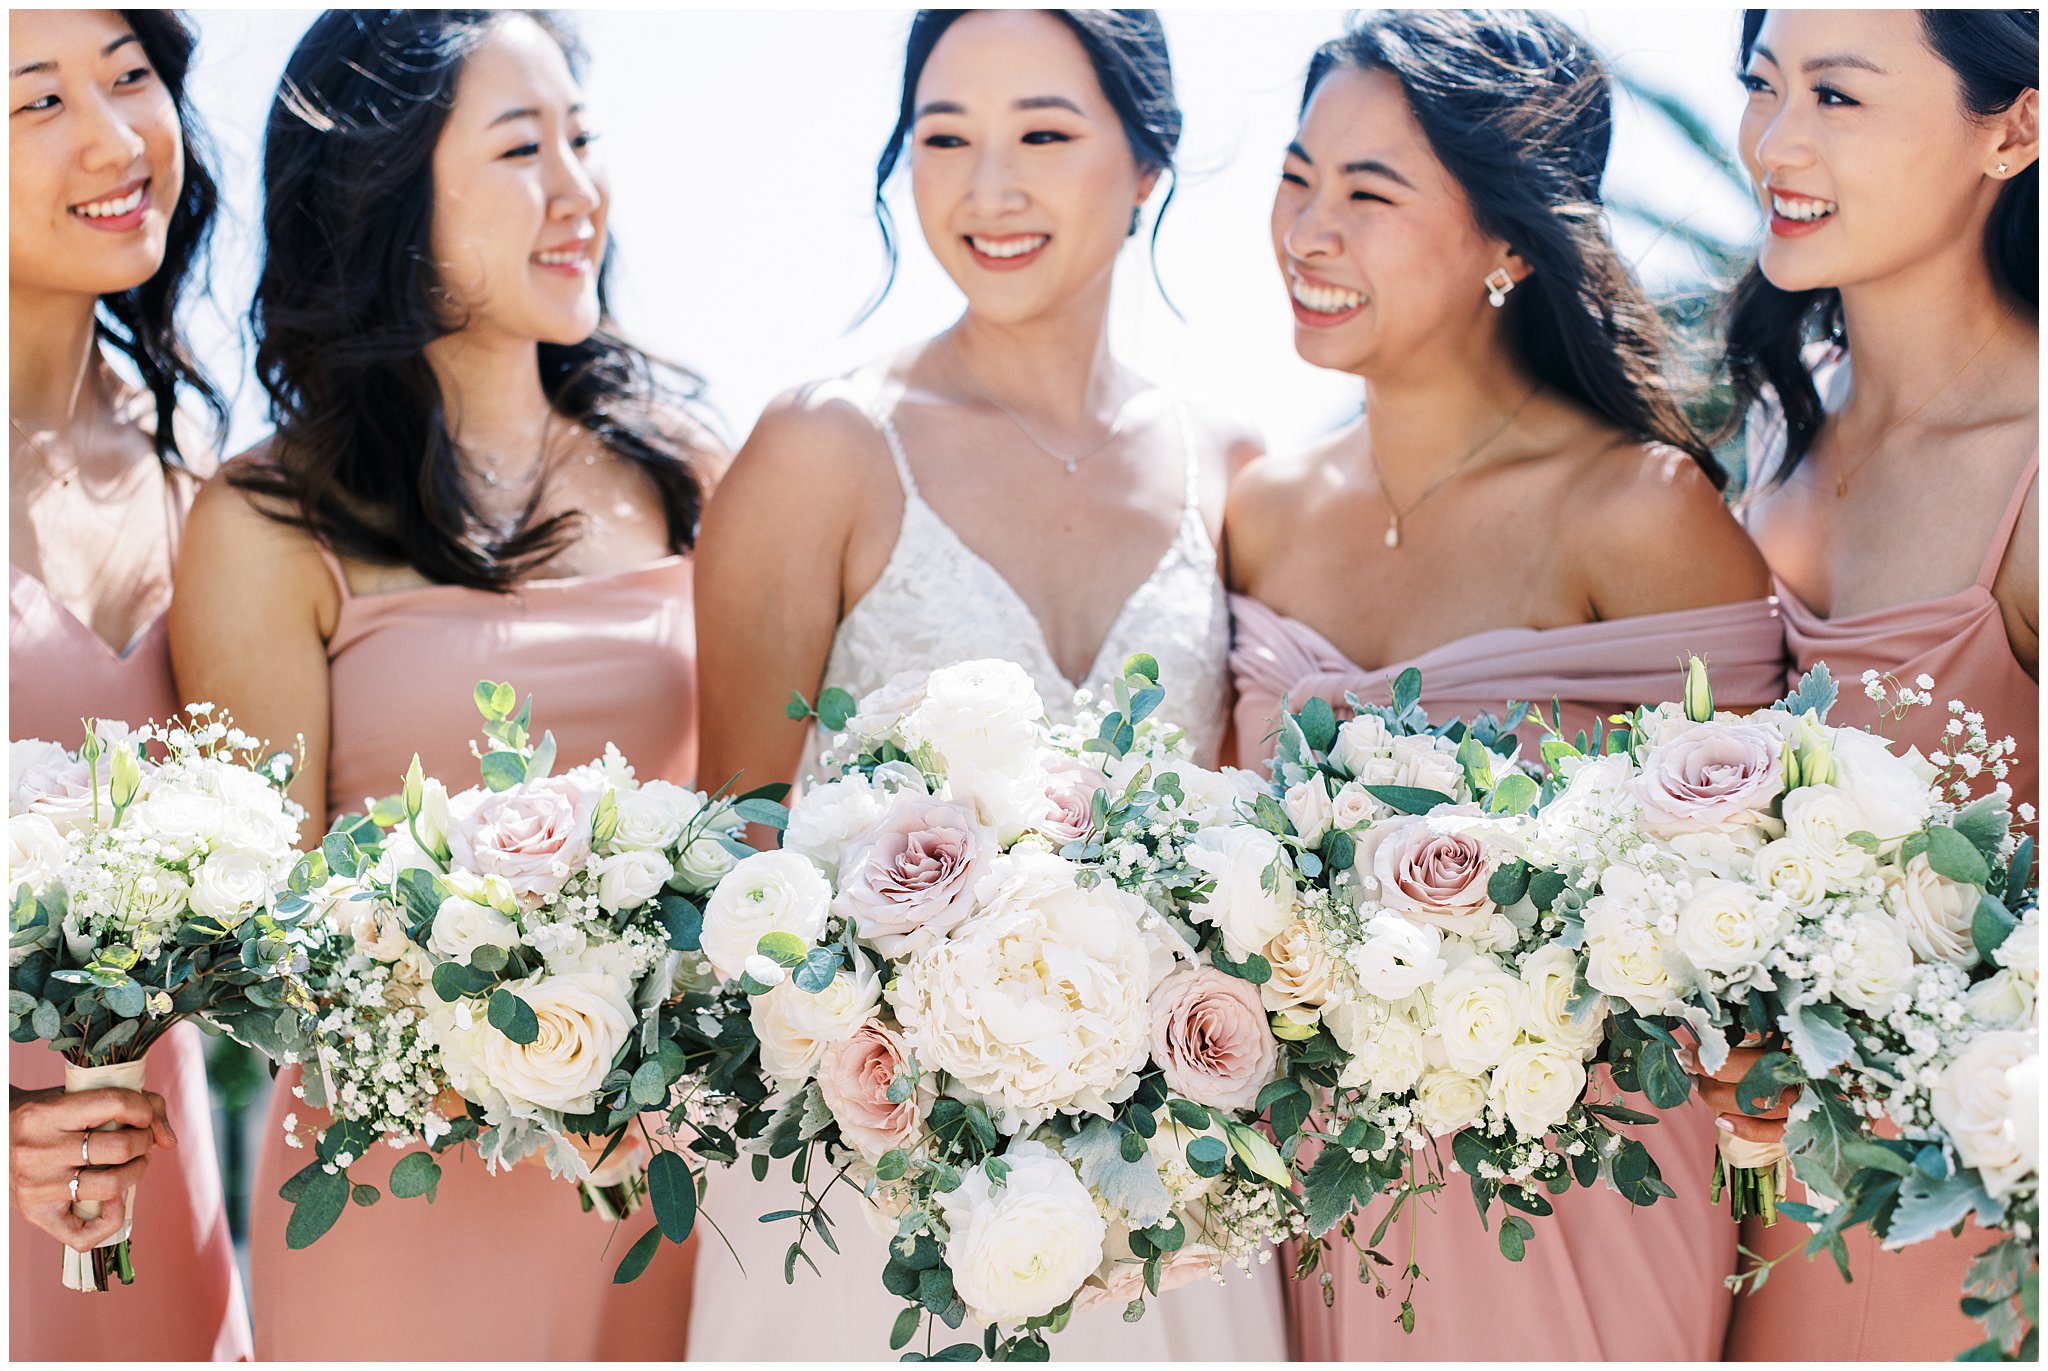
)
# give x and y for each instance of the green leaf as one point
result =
(1408, 799)
(935, 1289)
(416, 1174)
(513, 1017)
(674, 1192)
(2020, 873)
(835, 707)
(1478, 764)
(502, 770)
(905, 1327)
(1332, 1186)
(1991, 925)
(764, 812)
(817, 970)
(1665, 1083)
(1819, 1036)
(650, 1084)
(984, 1128)
(1407, 690)
(1319, 724)
(127, 999)
(321, 1201)
(1206, 1156)
(1767, 1079)
(365, 1195)
(1142, 664)
(786, 950)
(637, 1258)
(1132, 1186)
(1196, 1116)
(494, 701)
(1514, 794)
(1956, 857)
(1545, 887)
(1144, 702)
(683, 921)
(1340, 850)
(1508, 883)
(798, 707)
(1515, 1232)
(340, 851)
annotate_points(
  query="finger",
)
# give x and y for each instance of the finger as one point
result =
(83, 1235)
(1765, 1130)
(89, 1109)
(105, 1183)
(115, 1146)
(160, 1121)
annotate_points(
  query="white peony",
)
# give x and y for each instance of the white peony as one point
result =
(1879, 968)
(1935, 912)
(1820, 818)
(629, 879)
(1397, 957)
(1724, 929)
(1446, 1101)
(1024, 1247)
(1536, 1085)
(769, 892)
(462, 925)
(1236, 859)
(830, 816)
(984, 725)
(1893, 793)
(228, 886)
(795, 1027)
(1479, 1012)
(1988, 1101)
(1551, 974)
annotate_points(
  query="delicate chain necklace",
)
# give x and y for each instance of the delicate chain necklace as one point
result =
(1071, 461)
(1395, 514)
(49, 462)
(1834, 444)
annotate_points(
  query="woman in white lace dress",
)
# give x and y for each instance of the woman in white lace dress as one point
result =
(1006, 489)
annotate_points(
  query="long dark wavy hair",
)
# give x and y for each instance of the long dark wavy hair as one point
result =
(140, 323)
(346, 304)
(1127, 48)
(1996, 56)
(1518, 109)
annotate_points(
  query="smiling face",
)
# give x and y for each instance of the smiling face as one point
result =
(1861, 152)
(96, 161)
(1376, 242)
(519, 194)
(1023, 176)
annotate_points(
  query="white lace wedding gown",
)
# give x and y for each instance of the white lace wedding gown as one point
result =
(935, 603)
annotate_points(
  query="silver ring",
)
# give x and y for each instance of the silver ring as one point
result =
(84, 1156)
(74, 1187)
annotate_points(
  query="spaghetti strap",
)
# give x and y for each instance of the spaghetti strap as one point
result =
(874, 399)
(2002, 540)
(1193, 503)
(333, 564)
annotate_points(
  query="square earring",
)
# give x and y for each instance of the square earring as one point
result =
(1498, 283)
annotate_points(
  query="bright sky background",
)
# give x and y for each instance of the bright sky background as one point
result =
(742, 147)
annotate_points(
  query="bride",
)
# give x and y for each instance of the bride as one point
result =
(1006, 489)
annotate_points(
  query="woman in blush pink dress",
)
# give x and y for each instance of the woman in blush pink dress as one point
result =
(471, 478)
(109, 207)
(1895, 153)
(1521, 512)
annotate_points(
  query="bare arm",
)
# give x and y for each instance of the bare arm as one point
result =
(2018, 585)
(252, 609)
(1653, 535)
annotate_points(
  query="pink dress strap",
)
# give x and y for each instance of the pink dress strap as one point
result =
(333, 565)
(1994, 558)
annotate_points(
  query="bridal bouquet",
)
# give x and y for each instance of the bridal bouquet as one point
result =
(143, 896)
(1043, 1080)
(1407, 951)
(499, 971)
(1772, 881)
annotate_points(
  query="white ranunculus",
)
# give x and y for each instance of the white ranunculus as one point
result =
(462, 925)
(228, 886)
(1397, 958)
(1388, 1051)
(1724, 929)
(36, 852)
(1880, 967)
(1935, 912)
(1791, 870)
(1236, 859)
(1214, 798)
(1552, 975)
(2004, 999)
(769, 892)
(1359, 741)
(1037, 1003)
(1988, 1101)
(1820, 818)
(1303, 969)
(1308, 807)
(985, 724)
(1479, 1012)
(830, 816)
(1537, 1084)
(585, 1019)
(1446, 1101)
(1021, 1248)
(1893, 793)
(629, 879)
(795, 1027)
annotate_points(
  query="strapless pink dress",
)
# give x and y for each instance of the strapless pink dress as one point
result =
(186, 1303)
(505, 1267)
(1601, 1280)
(1903, 1305)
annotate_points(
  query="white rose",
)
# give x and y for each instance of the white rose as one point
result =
(629, 879)
(1429, 763)
(705, 862)
(1790, 869)
(1536, 1085)
(769, 892)
(1935, 912)
(1629, 964)
(1725, 929)
(1236, 859)
(650, 817)
(1893, 793)
(1308, 807)
(795, 1027)
(985, 724)
(150, 901)
(45, 779)
(1988, 1102)
(830, 816)
(375, 928)
(2003, 1000)
(36, 852)
(584, 1021)
(878, 711)
(1359, 741)
(229, 885)
(1479, 1012)
(1820, 819)
(1303, 969)
(462, 925)
(1552, 975)
(1213, 798)
(1880, 967)
(1446, 1101)
(2021, 949)
(1353, 807)
(1388, 1051)
(1022, 1248)
(184, 821)
(1397, 957)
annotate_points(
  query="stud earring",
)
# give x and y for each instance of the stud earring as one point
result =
(2001, 168)
(1498, 283)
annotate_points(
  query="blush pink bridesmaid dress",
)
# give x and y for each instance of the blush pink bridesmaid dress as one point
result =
(1903, 1305)
(1601, 1280)
(186, 1303)
(503, 1267)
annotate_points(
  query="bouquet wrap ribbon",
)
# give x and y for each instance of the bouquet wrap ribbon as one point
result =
(1745, 1154)
(78, 1266)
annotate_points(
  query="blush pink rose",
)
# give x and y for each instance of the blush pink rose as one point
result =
(1210, 1038)
(1711, 775)
(535, 835)
(854, 1077)
(1432, 878)
(910, 877)
(1071, 785)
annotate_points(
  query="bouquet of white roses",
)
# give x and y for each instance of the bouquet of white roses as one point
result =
(503, 969)
(964, 1009)
(143, 895)
(1773, 881)
(1387, 916)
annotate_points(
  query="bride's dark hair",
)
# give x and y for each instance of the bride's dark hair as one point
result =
(1517, 108)
(346, 304)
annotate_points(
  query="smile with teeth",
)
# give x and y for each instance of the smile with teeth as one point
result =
(1008, 247)
(1324, 299)
(112, 209)
(1799, 208)
(563, 257)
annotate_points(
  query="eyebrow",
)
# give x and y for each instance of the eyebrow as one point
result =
(1826, 60)
(527, 112)
(31, 68)
(1369, 167)
(1028, 103)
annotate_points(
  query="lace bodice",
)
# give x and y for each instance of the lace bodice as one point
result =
(938, 602)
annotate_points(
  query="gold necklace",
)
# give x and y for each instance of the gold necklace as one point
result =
(1395, 514)
(1835, 447)
(49, 462)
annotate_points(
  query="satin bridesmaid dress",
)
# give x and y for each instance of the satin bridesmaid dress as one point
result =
(1601, 1280)
(186, 1303)
(504, 1267)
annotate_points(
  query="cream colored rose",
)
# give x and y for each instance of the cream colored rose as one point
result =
(1988, 1102)
(1536, 1085)
(584, 1021)
(1790, 869)
(1429, 763)
(629, 879)
(705, 862)
(2004, 999)
(1935, 912)
(1446, 1101)
(1725, 930)
(461, 926)
(1551, 974)
(1303, 969)
(1236, 859)
(1893, 792)
(652, 817)
(44, 779)
(1629, 963)
(1820, 819)
(1479, 1012)
(1359, 741)
(795, 1027)
(1880, 967)
(769, 892)
(228, 886)
(1353, 807)
(36, 852)
(1307, 803)
(376, 928)
(1022, 1248)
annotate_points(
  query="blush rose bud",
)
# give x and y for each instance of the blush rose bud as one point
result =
(1699, 695)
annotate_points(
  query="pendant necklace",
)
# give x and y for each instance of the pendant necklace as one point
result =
(1395, 514)
(1071, 461)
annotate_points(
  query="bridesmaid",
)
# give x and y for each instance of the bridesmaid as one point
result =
(109, 205)
(1006, 489)
(1521, 513)
(471, 477)
(1895, 153)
